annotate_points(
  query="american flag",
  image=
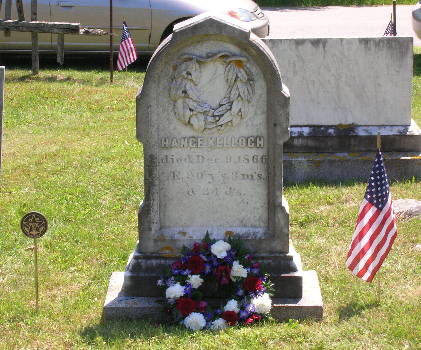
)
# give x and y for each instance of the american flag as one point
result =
(127, 53)
(390, 29)
(375, 230)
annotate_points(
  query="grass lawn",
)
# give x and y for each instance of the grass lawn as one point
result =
(70, 153)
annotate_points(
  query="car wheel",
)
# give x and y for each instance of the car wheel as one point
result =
(170, 28)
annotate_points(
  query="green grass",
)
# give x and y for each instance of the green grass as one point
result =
(307, 3)
(70, 153)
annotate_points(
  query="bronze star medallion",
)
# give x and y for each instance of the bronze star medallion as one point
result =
(34, 225)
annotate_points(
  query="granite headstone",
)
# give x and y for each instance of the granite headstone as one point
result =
(212, 116)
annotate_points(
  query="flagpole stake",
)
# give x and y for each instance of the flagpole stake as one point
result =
(36, 275)
(394, 17)
(111, 43)
(379, 290)
(379, 141)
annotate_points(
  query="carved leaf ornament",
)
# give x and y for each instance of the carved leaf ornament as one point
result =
(192, 109)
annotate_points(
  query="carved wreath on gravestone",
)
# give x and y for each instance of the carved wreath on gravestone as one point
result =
(189, 93)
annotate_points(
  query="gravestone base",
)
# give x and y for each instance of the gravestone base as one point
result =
(144, 270)
(118, 306)
(346, 152)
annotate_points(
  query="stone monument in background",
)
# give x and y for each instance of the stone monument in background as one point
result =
(213, 116)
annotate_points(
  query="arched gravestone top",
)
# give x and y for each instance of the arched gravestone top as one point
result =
(212, 115)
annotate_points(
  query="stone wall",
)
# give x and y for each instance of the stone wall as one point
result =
(361, 81)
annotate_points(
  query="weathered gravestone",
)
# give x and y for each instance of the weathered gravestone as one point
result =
(213, 116)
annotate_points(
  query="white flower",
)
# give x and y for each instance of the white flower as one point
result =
(195, 281)
(262, 304)
(232, 305)
(160, 283)
(220, 249)
(218, 324)
(175, 291)
(238, 270)
(195, 321)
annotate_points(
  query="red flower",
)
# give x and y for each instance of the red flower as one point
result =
(230, 317)
(196, 264)
(252, 319)
(177, 265)
(223, 274)
(185, 305)
(252, 284)
(205, 245)
(196, 247)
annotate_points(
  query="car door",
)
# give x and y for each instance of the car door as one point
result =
(22, 40)
(96, 14)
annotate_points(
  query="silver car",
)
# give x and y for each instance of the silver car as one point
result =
(149, 21)
(416, 19)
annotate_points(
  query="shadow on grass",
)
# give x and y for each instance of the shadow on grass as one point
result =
(88, 62)
(113, 331)
(417, 65)
(355, 308)
(322, 183)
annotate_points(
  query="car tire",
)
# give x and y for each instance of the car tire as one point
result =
(170, 28)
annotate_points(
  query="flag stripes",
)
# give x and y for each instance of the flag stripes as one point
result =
(127, 53)
(375, 230)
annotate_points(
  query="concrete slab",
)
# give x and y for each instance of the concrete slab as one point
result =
(309, 306)
(352, 138)
(117, 306)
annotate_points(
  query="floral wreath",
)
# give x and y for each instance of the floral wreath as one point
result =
(189, 107)
(216, 269)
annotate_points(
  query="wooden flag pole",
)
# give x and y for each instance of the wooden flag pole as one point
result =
(35, 52)
(111, 44)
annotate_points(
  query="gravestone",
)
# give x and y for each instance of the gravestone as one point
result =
(213, 116)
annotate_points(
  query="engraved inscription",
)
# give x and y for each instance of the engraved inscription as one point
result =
(201, 159)
(213, 142)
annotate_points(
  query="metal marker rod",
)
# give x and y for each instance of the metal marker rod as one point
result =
(36, 274)
(394, 17)
(111, 43)
(34, 36)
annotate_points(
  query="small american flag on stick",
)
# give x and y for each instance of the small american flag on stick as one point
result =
(390, 29)
(375, 230)
(127, 53)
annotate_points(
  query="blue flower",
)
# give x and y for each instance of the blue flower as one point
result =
(255, 271)
(188, 289)
(170, 281)
(185, 272)
(240, 292)
(243, 314)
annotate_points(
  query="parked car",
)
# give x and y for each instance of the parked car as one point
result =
(149, 21)
(416, 19)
